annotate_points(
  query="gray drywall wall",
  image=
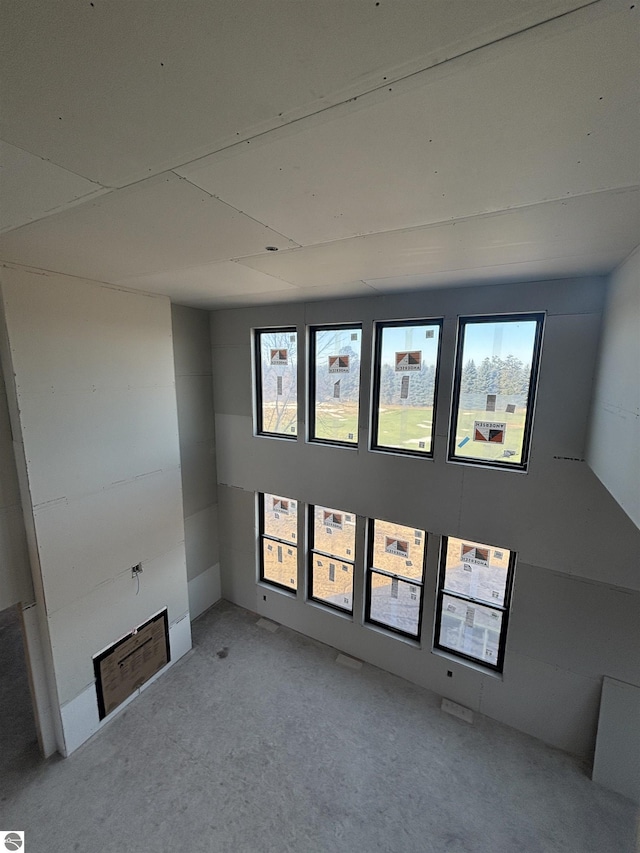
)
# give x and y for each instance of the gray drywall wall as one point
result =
(96, 414)
(576, 601)
(616, 762)
(15, 573)
(194, 394)
(614, 440)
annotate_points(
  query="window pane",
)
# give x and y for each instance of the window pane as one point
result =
(280, 518)
(398, 549)
(496, 366)
(470, 629)
(280, 563)
(334, 532)
(278, 359)
(395, 603)
(475, 570)
(406, 383)
(332, 581)
(337, 384)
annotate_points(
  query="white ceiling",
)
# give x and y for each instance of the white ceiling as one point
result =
(379, 146)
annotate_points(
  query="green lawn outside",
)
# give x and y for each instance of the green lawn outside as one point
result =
(480, 450)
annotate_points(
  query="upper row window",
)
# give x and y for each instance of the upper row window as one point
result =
(493, 395)
(494, 389)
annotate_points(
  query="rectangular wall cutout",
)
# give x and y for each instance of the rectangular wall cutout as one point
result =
(276, 352)
(334, 384)
(405, 375)
(494, 389)
(124, 667)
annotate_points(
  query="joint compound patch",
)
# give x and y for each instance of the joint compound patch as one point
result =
(332, 519)
(408, 360)
(489, 432)
(279, 357)
(339, 363)
(475, 555)
(398, 547)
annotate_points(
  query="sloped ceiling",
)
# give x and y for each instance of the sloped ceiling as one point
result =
(373, 146)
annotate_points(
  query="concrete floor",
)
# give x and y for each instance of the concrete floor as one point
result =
(261, 742)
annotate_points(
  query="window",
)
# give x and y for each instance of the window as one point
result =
(276, 353)
(332, 538)
(494, 391)
(335, 384)
(278, 538)
(474, 592)
(405, 376)
(395, 577)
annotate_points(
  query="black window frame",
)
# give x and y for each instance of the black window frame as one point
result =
(311, 362)
(505, 609)
(370, 569)
(311, 550)
(379, 325)
(262, 536)
(260, 430)
(539, 317)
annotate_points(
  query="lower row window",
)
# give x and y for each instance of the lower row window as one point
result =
(278, 536)
(395, 573)
(332, 539)
(474, 583)
(474, 591)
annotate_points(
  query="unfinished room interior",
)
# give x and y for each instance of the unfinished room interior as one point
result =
(320, 426)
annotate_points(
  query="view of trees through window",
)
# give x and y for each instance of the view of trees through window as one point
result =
(336, 383)
(496, 369)
(406, 368)
(277, 385)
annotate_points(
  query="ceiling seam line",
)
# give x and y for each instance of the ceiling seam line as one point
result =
(452, 221)
(237, 210)
(385, 85)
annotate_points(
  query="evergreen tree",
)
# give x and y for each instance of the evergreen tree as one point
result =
(469, 378)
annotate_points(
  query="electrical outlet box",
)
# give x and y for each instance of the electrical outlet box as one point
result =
(456, 710)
